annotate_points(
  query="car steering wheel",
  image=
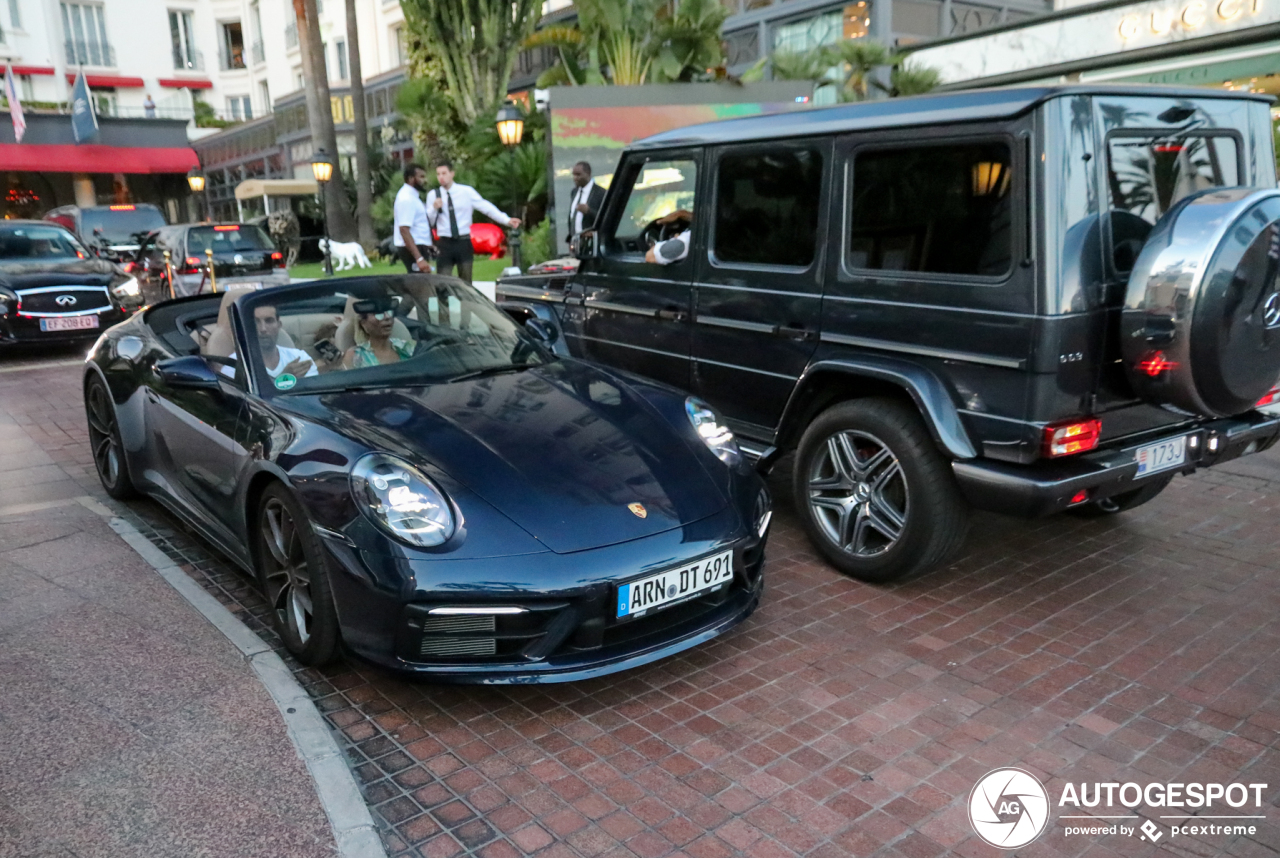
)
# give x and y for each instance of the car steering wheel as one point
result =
(656, 233)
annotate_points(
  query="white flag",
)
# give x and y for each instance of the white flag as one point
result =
(15, 106)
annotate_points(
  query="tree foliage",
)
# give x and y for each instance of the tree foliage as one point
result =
(472, 46)
(849, 68)
(633, 42)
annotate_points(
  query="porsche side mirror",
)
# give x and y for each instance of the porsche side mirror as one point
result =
(542, 332)
(583, 245)
(191, 371)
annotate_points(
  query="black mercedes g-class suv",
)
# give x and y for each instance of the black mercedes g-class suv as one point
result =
(1023, 300)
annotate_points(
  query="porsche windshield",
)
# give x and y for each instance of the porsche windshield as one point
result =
(383, 332)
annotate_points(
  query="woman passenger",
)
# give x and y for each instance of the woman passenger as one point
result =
(375, 346)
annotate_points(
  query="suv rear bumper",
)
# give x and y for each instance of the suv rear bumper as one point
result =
(1050, 485)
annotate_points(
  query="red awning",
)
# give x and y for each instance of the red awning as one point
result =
(179, 83)
(94, 158)
(101, 80)
(30, 69)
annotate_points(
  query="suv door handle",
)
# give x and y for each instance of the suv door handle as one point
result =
(795, 332)
(671, 314)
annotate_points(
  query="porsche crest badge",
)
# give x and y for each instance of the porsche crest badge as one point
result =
(638, 509)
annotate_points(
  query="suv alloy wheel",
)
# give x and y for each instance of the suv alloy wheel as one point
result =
(875, 495)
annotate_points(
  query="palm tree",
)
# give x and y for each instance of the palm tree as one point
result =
(364, 179)
(472, 45)
(320, 114)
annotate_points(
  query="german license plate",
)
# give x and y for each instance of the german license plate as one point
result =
(663, 589)
(1165, 454)
(69, 323)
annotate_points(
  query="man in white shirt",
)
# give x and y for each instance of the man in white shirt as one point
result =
(411, 233)
(585, 202)
(676, 248)
(451, 208)
(285, 365)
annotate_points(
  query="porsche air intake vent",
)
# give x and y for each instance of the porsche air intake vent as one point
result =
(458, 637)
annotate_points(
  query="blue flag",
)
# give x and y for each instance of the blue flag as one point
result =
(84, 121)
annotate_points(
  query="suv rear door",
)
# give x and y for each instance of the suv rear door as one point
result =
(935, 261)
(758, 293)
(636, 313)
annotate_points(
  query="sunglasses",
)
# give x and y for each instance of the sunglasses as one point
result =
(381, 317)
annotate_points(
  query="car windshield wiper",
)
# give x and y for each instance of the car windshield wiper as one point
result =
(491, 370)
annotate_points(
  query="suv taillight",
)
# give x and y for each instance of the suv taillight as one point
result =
(1271, 397)
(190, 265)
(277, 259)
(1066, 439)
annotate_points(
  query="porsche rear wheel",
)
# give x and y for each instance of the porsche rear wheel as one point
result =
(104, 441)
(295, 578)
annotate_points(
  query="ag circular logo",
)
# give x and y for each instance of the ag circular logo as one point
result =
(1008, 808)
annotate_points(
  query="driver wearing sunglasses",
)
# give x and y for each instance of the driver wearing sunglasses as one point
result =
(374, 345)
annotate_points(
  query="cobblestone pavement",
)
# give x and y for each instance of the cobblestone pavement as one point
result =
(844, 719)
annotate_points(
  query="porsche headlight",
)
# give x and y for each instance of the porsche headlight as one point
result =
(127, 289)
(402, 500)
(718, 438)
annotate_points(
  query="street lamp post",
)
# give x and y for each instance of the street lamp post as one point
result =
(322, 169)
(195, 180)
(510, 125)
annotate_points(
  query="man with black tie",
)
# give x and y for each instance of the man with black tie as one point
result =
(451, 208)
(586, 201)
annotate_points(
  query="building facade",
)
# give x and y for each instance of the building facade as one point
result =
(1217, 43)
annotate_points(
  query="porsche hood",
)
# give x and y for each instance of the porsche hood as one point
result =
(569, 453)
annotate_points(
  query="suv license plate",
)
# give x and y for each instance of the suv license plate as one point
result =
(69, 323)
(1158, 457)
(664, 589)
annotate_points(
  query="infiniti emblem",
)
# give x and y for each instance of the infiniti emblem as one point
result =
(1271, 310)
(65, 300)
(239, 260)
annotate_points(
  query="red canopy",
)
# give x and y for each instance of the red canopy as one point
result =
(188, 83)
(30, 69)
(94, 158)
(101, 80)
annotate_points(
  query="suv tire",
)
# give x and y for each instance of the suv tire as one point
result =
(1122, 502)
(875, 495)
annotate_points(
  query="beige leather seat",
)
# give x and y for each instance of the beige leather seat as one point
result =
(345, 337)
(222, 341)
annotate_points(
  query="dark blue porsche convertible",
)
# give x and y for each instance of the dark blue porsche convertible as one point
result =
(411, 474)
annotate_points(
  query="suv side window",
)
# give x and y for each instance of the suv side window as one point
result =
(767, 207)
(659, 189)
(944, 208)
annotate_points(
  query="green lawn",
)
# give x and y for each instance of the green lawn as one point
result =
(485, 269)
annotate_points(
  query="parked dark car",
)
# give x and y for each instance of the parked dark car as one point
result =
(113, 232)
(52, 289)
(477, 509)
(1022, 300)
(243, 255)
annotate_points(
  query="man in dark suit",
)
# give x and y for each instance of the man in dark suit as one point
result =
(586, 201)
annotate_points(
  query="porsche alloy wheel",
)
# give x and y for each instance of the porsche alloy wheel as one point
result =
(294, 579)
(104, 441)
(875, 494)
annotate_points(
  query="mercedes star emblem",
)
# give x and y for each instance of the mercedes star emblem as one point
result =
(1271, 310)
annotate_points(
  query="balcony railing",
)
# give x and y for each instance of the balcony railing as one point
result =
(291, 36)
(257, 53)
(90, 53)
(192, 60)
(183, 113)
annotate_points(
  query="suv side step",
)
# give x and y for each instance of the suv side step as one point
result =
(1029, 491)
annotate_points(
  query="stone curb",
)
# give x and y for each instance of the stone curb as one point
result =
(353, 827)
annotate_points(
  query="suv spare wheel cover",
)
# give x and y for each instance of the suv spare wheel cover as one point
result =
(1200, 329)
